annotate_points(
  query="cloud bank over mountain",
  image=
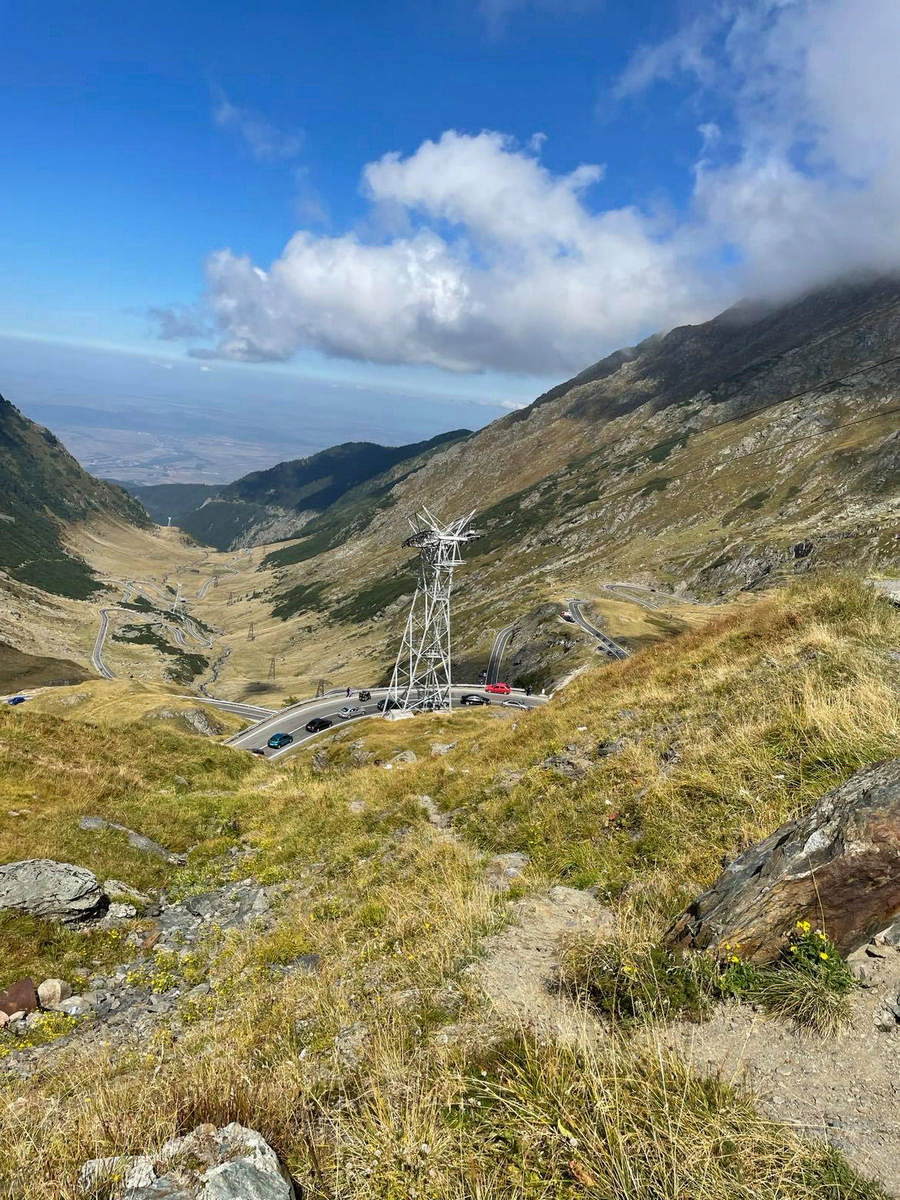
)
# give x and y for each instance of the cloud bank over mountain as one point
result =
(487, 259)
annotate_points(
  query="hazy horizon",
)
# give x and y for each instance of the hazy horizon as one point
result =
(147, 419)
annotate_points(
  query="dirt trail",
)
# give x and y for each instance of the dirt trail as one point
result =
(845, 1090)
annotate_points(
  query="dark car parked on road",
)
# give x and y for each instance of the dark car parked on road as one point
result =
(473, 698)
(17, 700)
(387, 704)
(277, 740)
(317, 724)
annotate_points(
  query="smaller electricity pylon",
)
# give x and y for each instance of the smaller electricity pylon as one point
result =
(421, 679)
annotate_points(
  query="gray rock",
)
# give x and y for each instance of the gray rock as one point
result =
(120, 912)
(117, 890)
(137, 840)
(405, 756)
(503, 869)
(53, 890)
(440, 748)
(230, 1163)
(837, 867)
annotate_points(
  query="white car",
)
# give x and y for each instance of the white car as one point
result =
(350, 710)
(514, 704)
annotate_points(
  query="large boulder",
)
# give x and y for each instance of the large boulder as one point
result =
(230, 1163)
(837, 867)
(53, 890)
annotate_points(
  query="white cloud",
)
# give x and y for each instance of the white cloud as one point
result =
(484, 258)
(503, 265)
(265, 141)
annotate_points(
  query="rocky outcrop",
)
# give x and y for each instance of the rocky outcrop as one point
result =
(137, 840)
(230, 1163)
(837, 867)
(53, 890)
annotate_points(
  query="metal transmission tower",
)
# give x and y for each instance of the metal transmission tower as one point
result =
(421, 679)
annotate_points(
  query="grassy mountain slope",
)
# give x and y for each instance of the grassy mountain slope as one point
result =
(354, 1032)
(280, 502)
(711, 459)
(43, 490)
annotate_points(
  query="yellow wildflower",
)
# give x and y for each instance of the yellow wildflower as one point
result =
(823, 955)
(734, 958)
(804, 926)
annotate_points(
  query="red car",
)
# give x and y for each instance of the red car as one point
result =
(501, 689)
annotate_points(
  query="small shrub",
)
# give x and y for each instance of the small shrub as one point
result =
(812, 986)
(636, 982)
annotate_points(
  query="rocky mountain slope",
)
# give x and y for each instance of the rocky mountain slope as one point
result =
(267, 506)
(43, 492)
(710, 459)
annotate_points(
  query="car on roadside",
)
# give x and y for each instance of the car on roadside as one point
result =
(17, 700)
(317, 724)
(349, 711)
(514, 704)
(500, 689)
(473, 698)
(387, 704)
(279, 740)
(257, 750)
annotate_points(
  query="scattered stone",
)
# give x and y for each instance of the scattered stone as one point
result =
(573, 764)
(4, 1018)
(405, 756)
(320, 760)
(440, 748)
(356, 807)
(117, 890)
(230, 1163)
(440, 820)
(53, 991)
(838, 867)
(53, 890)
(503, 869)
(120, 912)
(137, 840)
(508, 779)
(350, 1044)
(19, 997)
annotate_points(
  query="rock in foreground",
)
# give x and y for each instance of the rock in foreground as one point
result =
(837, 867)
(230, 1163)
(53, 890)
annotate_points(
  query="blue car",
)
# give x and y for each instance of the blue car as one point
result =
(277, 740)
(17, 700)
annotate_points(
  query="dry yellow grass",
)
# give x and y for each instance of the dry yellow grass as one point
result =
(723, 732)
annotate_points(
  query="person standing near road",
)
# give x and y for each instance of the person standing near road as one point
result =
(349, 691)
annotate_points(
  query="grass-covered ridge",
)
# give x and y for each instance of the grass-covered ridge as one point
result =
(678, 760)
(44, 489)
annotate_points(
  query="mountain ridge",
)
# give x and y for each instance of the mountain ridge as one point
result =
(45, 491)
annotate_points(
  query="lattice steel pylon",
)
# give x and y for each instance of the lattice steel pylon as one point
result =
(421, 679)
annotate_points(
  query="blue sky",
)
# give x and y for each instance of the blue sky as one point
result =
(469, 198)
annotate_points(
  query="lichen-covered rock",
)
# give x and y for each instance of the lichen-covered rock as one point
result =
(53, 890)
(837, 867)
(230, 1163)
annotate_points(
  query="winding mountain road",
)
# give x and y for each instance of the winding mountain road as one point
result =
(293, 720)
(497, 651)
(607, 644)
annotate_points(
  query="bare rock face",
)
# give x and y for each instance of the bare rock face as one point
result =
(53, 890)
(230, 1163)
(837, 867)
